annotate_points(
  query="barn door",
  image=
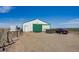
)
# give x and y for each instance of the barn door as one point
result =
(37, 27)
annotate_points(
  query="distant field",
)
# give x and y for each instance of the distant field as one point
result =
(73, 29)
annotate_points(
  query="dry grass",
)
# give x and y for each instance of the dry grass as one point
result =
(43, 42)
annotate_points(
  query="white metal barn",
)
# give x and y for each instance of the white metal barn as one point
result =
(35, 26)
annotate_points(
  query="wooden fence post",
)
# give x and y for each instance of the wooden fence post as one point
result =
(3, 47)
(8, 37)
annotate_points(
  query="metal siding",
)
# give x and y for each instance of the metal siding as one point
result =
(27, 27)
(45, 26)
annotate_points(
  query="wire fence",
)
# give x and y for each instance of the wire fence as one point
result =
(8, 38)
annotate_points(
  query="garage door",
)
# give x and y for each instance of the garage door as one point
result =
(37, 27)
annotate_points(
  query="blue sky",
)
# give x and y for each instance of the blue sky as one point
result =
(57, 16)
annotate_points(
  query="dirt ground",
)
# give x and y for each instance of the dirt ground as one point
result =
(44, 42)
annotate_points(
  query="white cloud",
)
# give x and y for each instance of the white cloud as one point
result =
(4, 25)
(73, 21)
(11, 22)
(5, 9)
(7, 25)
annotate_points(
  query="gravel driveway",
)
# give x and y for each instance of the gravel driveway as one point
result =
(44, 42)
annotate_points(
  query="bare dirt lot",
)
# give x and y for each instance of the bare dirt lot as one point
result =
(44, 42)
